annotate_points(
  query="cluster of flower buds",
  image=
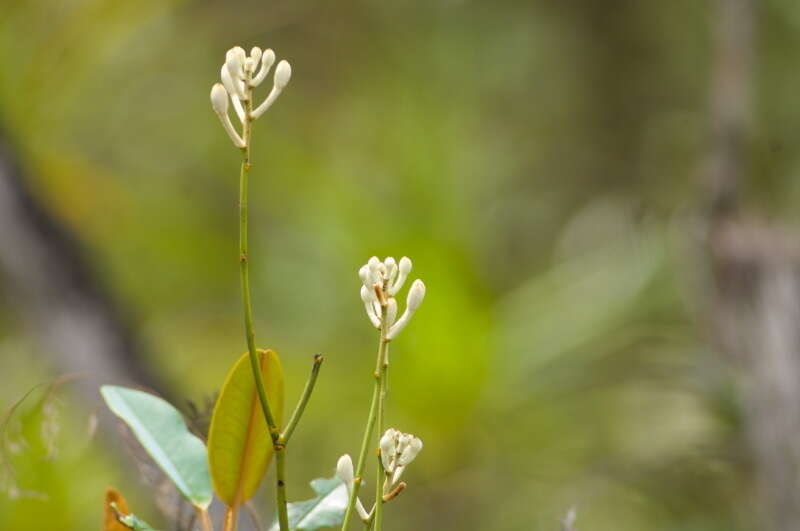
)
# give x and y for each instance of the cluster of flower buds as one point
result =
(381, 282)
(397, 451)
(344, 471)
(240, 74)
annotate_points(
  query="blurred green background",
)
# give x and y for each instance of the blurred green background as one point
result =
(536, 159)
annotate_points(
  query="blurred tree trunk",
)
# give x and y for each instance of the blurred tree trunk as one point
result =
(756, 301)
(52, 287)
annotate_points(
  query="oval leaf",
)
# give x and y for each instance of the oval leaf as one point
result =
(161, 430)
(239, 445)
(324, 511)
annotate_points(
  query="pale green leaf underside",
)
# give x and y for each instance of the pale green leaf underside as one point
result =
(135, 524)
(163, 433)
(326, 510)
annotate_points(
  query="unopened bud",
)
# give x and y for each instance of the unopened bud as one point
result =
(415, 295)
(344, 470)
(219, 99)
(387, 450)
(283, 73)
(391, 311)
(410, 452)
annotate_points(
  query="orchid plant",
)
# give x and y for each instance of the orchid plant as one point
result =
(247, 428)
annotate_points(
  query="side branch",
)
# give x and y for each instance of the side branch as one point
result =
(303, 402)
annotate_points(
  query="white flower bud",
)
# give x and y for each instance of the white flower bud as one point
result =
(240, 53)
(391, 269)
(387, 450)
(368, 297)
(344, 471)
(363, 274)
(219, 102)
(405, 265)
(219, 99)
(255, 53)
(231, 88)
(398, 471)
(267, 60)
(249, 64)
(415, 295)
(283, 73)
(410, 451)
(404, 269)
(391, 311)
(234, 62)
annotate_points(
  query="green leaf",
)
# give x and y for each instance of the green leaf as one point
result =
(239, 444)
(326, 510)
(161, 430)
(131, 522)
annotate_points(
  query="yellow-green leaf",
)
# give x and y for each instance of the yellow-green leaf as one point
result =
(239, 445)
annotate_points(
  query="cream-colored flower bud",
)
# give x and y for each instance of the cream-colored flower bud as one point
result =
(219, 98)
(255, 53)
(240, 53)
(230, 86)
(391, 311)
(368, 298)
(410, 451)
(344, 470)
(363, 274)
(415, 295)
(219, 102)
(387, 444)
(283, 73)
(404, 268)
(267, 60)
(235, 63)
(391, 269)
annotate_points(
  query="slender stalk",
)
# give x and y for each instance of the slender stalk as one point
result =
(280, 472)
(274, 432)
(230, 519)
(301, 405)
(205, 520)
(380, 474)
(383, 347)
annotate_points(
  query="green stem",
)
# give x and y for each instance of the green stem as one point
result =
(255, 365)
(301, 405)
(383, 347)
(380, 474)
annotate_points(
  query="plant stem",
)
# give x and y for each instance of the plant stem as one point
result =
(280, 473)
(380, 475)
(230, 519)
(383, 347)
(301, 405)
(205, 520)
(255, 364)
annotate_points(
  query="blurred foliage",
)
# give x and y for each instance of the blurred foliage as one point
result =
(536, 159)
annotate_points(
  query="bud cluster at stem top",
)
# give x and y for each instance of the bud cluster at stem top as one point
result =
(239, 75)
(381, 281)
